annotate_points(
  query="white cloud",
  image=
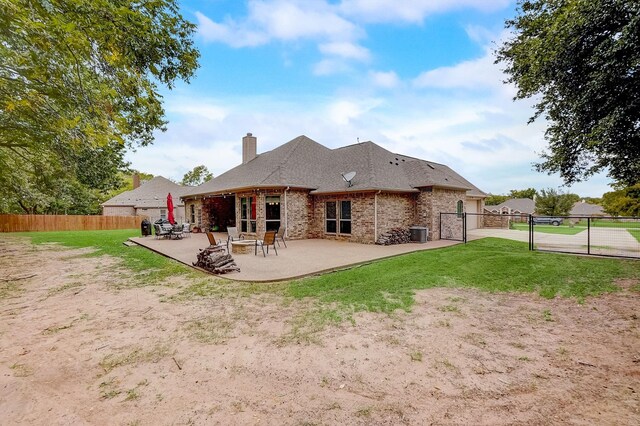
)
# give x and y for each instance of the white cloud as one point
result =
(342, 112)
(230, 32)
(387, 80)
(330, 66)
(413, 11)
(281, 20)
(345, 50)
(476, 74)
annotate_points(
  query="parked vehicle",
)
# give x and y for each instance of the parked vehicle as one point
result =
(547, 220)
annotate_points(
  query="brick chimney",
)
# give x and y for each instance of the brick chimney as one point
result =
(136, 180)
(249, 146)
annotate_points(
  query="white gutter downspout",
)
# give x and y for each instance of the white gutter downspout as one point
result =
(286, 215)
(375, 216)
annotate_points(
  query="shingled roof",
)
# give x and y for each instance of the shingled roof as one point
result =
(523, 205)
(150, 194)
(304, 163)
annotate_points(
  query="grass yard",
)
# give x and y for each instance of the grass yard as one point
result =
(549, 229)
(85, 338)
(148, 267)
(490, 264)
(603, 223)
(635, 233)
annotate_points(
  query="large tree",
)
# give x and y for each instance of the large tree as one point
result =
(523, 193)
(623, 202)
(79, 83)
(198, 175)
(580, 60)
(554, 203)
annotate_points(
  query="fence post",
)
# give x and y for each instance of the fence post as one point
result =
(588, 235)
(464, 227)
(530, 232)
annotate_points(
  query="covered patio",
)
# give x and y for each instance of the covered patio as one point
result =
(300, 258)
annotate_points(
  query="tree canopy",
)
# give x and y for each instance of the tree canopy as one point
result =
(623, 202)
(553, 203)
(198, 175)
(79, 83)
(580, 60)
(523, 193)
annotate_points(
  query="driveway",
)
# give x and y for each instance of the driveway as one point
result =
(603, 241)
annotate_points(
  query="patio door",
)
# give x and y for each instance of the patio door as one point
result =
(272, 210)
(248, 214)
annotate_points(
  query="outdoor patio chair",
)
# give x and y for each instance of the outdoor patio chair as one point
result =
(161, 231)
(234, 235)
(213, 244)
(186, 229)
(280, 236)
(268, 240)
(177, 232)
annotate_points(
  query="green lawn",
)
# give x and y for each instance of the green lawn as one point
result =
(549, 229)
(635, 233)
(489, 264)
(148, 267)
(604, 223)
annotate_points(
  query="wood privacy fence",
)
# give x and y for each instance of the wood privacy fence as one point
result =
(26, 223)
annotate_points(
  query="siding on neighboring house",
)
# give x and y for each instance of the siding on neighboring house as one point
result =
(118, 211)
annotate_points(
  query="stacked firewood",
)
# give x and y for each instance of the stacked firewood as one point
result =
(214, 260)
(394, 236)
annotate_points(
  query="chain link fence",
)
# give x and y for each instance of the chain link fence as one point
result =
(602, 236)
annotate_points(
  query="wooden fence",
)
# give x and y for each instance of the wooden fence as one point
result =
(26, 223)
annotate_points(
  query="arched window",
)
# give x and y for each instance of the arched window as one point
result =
(459, 208)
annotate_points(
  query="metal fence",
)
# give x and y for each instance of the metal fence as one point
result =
(602, 236)
(453, 226)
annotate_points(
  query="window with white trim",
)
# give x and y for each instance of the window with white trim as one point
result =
(338, 217)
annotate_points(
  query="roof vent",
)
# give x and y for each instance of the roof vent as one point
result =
(348, 177)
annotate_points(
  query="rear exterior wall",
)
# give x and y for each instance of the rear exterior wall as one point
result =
(395, 211)
(362, 218)
(433, 201)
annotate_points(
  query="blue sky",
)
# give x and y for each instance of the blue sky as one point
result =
(416, 77)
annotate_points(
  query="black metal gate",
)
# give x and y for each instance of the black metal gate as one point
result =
(453, 226)
(601, 236)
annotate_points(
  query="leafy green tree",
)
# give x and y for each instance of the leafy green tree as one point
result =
(553, 203)
(580, 60)
(623, 202)
(523, 193)
(494, 200)
(592, 200)
(198, 175)
(79, 84)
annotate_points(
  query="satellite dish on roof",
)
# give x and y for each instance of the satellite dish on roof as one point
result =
(348, 177)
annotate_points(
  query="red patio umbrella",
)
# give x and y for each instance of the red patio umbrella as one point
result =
(170, 216)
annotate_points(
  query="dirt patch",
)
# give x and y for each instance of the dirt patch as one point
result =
(79, 345)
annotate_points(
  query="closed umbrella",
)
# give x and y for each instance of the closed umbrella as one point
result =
(170, 216)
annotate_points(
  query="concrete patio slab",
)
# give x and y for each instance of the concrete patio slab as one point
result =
(300, 258)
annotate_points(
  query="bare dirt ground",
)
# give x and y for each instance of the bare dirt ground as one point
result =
(79, 345)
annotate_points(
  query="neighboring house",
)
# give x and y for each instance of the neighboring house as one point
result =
(513, 206)
(582, 208)
(148, 199)
(300, 186)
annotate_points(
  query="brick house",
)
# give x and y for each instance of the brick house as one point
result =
(148, 198)
(302, 185)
